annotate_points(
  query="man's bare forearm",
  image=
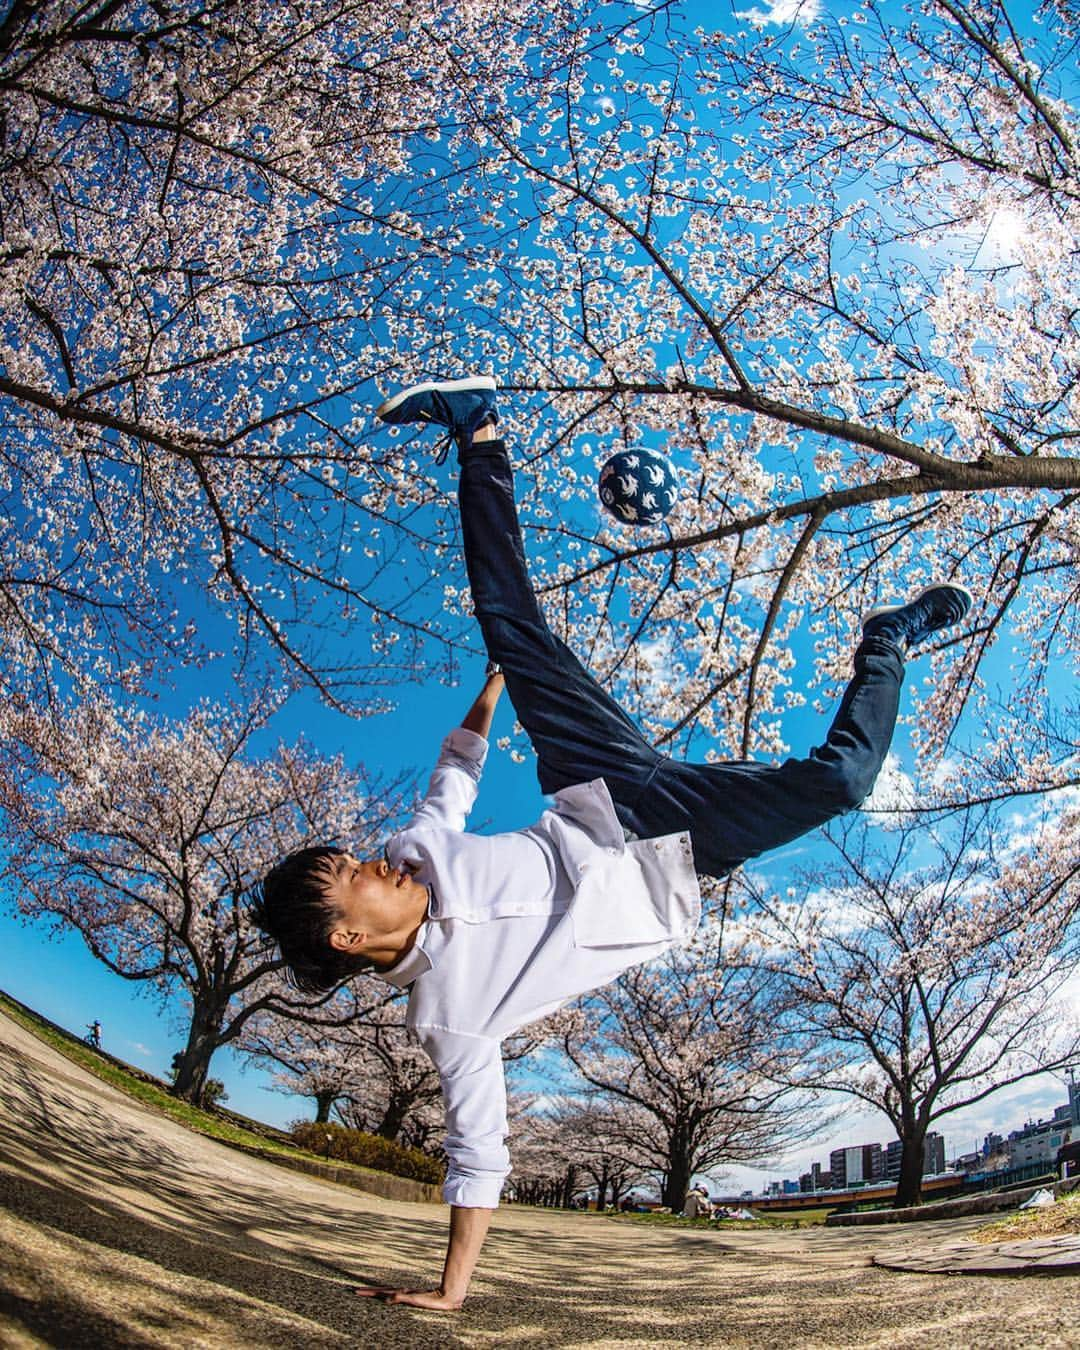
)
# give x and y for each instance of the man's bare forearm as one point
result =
(468, 1229)
(479, 716)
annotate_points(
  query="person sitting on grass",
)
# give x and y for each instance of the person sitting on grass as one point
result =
(491, 932)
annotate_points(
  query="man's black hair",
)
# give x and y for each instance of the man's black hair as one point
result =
(292, 905)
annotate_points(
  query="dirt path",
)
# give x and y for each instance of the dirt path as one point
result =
(119, 1228)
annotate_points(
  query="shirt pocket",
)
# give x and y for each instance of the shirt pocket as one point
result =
(612, 906)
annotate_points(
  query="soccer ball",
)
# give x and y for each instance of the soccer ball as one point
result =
(638, 487)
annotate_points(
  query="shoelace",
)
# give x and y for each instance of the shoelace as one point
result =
(443, 448)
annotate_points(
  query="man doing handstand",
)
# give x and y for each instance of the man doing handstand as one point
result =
(491, 932)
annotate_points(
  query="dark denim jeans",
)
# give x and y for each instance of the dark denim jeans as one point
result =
(733, 811)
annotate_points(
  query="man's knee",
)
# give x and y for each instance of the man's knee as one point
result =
(849, 781)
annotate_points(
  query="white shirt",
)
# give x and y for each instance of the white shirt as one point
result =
(519, 924)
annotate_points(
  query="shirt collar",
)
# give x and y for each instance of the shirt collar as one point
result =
(412, 965)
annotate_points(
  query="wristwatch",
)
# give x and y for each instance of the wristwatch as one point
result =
(493, 668)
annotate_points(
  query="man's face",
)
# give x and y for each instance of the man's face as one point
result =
(370, 898)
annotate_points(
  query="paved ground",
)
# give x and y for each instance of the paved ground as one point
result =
(118, 1228)
(1036, 1256)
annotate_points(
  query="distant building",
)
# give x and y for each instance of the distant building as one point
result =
(815, 1179)
(1039, 1141)
(992, 1145)
(856, 1166)
(933, 1156)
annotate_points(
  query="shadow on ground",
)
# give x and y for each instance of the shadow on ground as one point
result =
(119, 1228)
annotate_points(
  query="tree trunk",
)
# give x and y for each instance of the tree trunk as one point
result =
(397, 1108)
(323, 1102)
(192, 1065)
(601, 1190)
(909, 1185)
(677, 1177)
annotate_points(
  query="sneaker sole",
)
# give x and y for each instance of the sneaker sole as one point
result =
(891, 609)
(436, 386)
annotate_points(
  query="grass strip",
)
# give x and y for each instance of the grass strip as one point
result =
(1056, 1220)
(806, 1219)
(149, 1092)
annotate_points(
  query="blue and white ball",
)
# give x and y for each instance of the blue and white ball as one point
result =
(638, 487)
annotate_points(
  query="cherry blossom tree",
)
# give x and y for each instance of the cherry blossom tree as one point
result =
(831, 272)
(544, 1153)
(209, 237)
(355, 1056)
(834, 274)
(593, 1135)
(925, 970)
(314, 1055)
(146, 837)
(395, 1089)
(686, 1049)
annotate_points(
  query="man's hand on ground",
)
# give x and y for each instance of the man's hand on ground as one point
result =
(433, 1299)
(467, 1230)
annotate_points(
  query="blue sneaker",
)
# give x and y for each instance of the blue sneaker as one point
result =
(462, 406)
(938, 606)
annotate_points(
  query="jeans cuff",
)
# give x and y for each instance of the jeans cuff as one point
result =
(482, 450)
(882, 646)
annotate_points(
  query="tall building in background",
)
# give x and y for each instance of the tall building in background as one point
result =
(856, 1166)
(1039, 1141)
(933, 1156)
(816, 1179)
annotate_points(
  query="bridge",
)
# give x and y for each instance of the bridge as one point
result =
(938, 1188)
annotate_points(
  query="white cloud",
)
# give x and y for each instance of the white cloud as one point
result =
(783, 13)
(657, 656)
(893, 795)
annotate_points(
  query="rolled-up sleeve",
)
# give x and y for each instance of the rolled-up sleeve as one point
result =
(452, 789)
(474, 1094)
